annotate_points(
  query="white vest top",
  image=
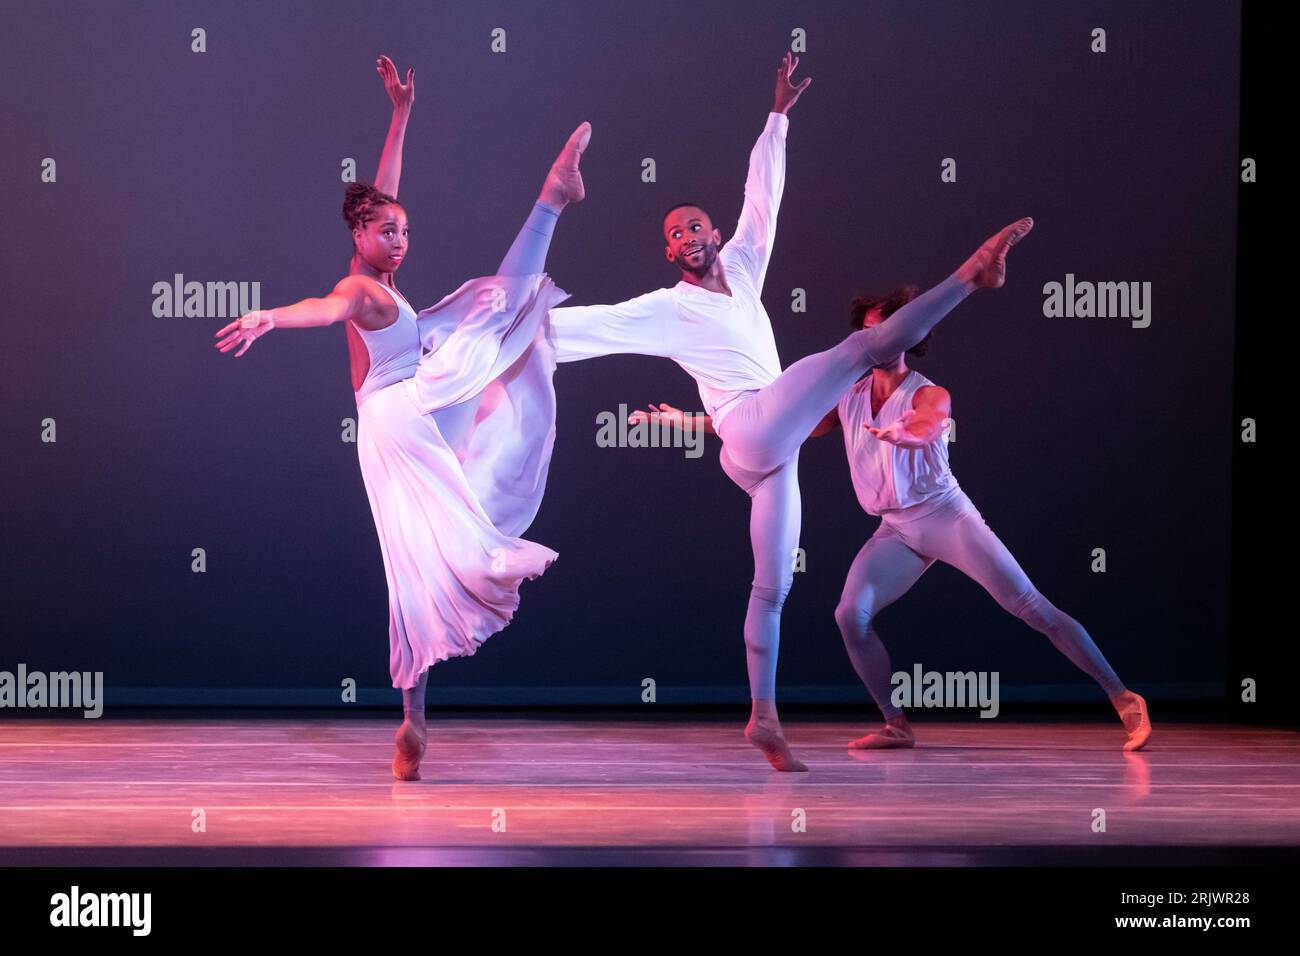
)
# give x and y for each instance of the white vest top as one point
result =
(886, 477)
(394, 350)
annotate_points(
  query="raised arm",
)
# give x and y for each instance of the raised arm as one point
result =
(636, 327)
(402, 96)
(352, 298)
(765, 182)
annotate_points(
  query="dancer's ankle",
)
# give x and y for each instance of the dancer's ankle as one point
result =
(763, 711)
(899, 720)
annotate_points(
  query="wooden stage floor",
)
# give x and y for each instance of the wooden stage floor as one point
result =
(524, 790)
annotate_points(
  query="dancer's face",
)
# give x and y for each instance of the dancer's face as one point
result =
(383, 241)
(690, 241)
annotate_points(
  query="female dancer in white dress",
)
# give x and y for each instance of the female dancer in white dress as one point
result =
(455, 418)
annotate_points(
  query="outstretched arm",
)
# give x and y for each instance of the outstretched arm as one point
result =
(402, 96)
(682, 421)
(636, 327)
(765, 183)
(922, 423)
(350, 299)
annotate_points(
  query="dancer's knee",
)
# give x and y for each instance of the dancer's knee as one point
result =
(754, 459)
(769, 600)
(854, 618)
(1034, 609)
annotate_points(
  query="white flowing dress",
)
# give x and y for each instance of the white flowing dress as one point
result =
(455, 426)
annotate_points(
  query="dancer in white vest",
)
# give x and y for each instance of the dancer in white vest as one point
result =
(712, 323)
(894, 421)
(455, 418)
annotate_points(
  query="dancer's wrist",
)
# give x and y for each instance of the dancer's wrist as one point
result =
(256, 319)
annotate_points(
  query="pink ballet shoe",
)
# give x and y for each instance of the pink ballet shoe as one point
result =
(410, 750)
(773, 746)
(888, 737)
(1137, 722)
(564, 182)
(987, 268)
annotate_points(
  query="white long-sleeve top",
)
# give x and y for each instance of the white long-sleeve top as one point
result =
(723, 341)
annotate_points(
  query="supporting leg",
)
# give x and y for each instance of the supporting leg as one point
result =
(884, 570)
(774, 534)
(968, 544)
(412, 735)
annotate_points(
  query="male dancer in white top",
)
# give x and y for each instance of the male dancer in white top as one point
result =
(900, 473)
(894, 421)
(712, 323)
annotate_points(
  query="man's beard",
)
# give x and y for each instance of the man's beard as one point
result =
(710, 255)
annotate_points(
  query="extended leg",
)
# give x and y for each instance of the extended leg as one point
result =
(884, 570)
(774, 534)
(527, 254)
(968, 544)
(764, 431)
(563, 185)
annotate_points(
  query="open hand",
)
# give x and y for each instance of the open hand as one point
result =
(664, 413)
(402, 94)
(787, 94)
(896, 433)
(246, 330)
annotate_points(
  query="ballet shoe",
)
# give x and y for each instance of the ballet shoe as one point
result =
(564, 182)
(410, 750)
(890, 736)
(1137, 721)
(771, 743)
(987, 268)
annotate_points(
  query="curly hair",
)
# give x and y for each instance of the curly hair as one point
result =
(361, 204)
(889, 303)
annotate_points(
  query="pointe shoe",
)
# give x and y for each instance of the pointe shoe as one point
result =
(1137, 722)
(410, 750)
(771, 743)
(890, 736)
(987, 268)
(564, 182)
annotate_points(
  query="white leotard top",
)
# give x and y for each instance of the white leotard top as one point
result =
(886, 477)
(394, 350)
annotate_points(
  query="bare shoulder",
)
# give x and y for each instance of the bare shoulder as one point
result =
(370, 307)
(932, 396)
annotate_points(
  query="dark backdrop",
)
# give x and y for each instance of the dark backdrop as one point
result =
(1073, 434)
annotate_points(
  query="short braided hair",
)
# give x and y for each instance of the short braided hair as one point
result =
(361, 204)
